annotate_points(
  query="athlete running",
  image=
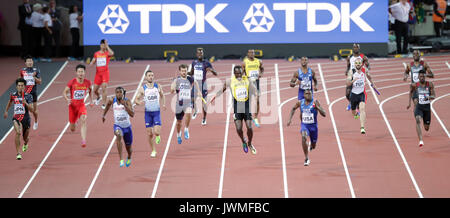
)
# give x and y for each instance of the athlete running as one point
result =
(356, 78)
(242, 90)
(122, 109)
(351, 65)
(199, 68)
(183, 86)
(101, 58)
(254, 70)
(422, 110)
(22, 102)
(153, 98)
(308, 117)
(414, 67)
(78, 88)
(304, 77)
(32, 75)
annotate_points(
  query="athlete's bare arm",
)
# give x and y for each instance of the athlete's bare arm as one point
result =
(163, 98)
(314, 79)
(261, 69)
(243, 68)
(66, 93)
(29, 106)
(90, 96)
(210, 69)
(411, 91)
(173, 86)
(349, 79)
(110, 51)
(252, 89)
(319, 108)
(428, 70)
(139, 95)
(128, 107)
(369, 77)
(366, 62)
(406, 74)
(218, 93)
(432, 92)
(108, 105)
(348, 65)
(5, 115)
(294, 79)
(37, 80)
(191, 72)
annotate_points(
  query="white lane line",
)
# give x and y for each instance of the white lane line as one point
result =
(280, 122)
(448, 65)
(341, 151)
(46, 156)
(112, 142)
(43, 91)
(323, 84)
(436, 115)
(225, 142)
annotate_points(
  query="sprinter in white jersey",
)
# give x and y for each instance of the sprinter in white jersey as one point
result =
(122, 126)
(153, 98)
(356, 78)
(351, 65)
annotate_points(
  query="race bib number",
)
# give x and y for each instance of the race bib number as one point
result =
(78, 94)
(101, 62)
(198, 74)
(151, 96)
(29, 79)
(121, 119)
(254, 74)
(19, 109)
(241, 94)
(424, 99)
(305, 84)
(307, 118)
(415, 77)
(184, 94)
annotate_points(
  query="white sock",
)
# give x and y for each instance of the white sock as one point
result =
(179, 134)
(186, 129)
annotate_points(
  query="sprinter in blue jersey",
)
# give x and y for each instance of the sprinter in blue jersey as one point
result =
(304, 77)
(154, 99)
(308, 117)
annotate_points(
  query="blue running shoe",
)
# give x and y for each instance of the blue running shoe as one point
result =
(245, 147)
(255, 121)
(349, 106)
(179, 139)
(186, 134)
(121, 163)
(128, 162)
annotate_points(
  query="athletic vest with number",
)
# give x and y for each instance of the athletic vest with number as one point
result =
(424, 93)
(415, 71)
(305, 80)
(309, 113)
(121, 116)
(353, 59)
(252, 68)
(27, 74)
(358, 86)
(239, 88)
(151, 98)
(183, 88)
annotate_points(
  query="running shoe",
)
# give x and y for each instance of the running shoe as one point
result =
(357, 111)
(35, 126)
(194, 115)
(24, 148)
(19, 157)
(158, 139)
(356, 116)
(153, 154)
(186, 133)
(349, 106)
(203, 122)
(420, 143)
(256, 122)
(307, 162)
(363, 131)
(103, 106)
(83, 144)
(128, 162)
(245, 147)
(253, 149)
(121, 163)
(97, 101)
(179, 139)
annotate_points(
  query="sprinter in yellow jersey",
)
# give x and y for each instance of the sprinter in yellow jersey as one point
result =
(254, 70)
(242, 90)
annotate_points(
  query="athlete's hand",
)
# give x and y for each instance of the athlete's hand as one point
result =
(69, 101)
(316, 102)
(404, 79)
(212, 99)
(315, 89)
(5, 115)
(288, 123)
(409, 105)
(103, 119)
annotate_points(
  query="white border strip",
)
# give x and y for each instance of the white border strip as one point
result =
(435, 114)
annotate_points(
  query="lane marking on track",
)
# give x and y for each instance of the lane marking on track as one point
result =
(225, 141)
(46, 156)
(448, 65)
(323, 83)
(112, 141)
(280, 122)
(396, 142)
(435, 114)
(43, 91)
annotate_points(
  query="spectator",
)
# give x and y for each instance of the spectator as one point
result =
(37, 23)
(439, 8)
(75, 19)
(400, 11)
(47, 32)
(56, 29)
(24, 27)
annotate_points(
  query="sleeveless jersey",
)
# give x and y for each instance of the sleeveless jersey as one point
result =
(183, 89)
(27, 74)
(309, 113)
(358, 86)
(20, 110)
(151, 98)
(102, 61)
(252, 68)
(305, 79)
(121, 116)
(239, 88)
(200, 69)
(415, 71)
(424, 93)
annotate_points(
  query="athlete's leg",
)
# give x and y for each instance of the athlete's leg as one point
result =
(35, 112)
(96, 87)
(187, 121)
(104, 87)
(294, 108)
(18, 129)
(238, 124)
(83, 127)
(150, 131)
(248, 123)
(157, 131)
(118, 132)
(26, 133)
(418, 129)
(362, 111)
(305, 143)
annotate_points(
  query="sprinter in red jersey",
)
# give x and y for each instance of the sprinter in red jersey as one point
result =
(101, 58)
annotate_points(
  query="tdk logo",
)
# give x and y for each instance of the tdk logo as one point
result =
(258, 18)
(113, 20)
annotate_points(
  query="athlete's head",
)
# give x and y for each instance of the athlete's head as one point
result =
(358, 63)
(103, 44)
(20, 84)
(251, 53)
(120, 93)
(304, 61)
(149, 76)
(200, 53)
(422, 76)
(307, 94)
(237, 70)
(29, 61)
(183, 68)
(416, 55)
(356, 48)
(81, 71)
